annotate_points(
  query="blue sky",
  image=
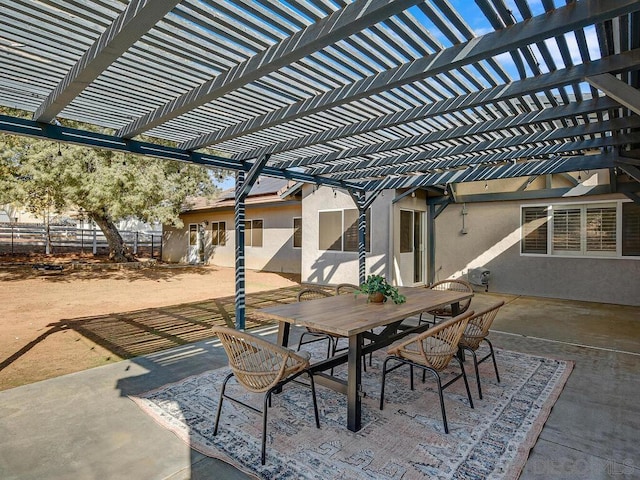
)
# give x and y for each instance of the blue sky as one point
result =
(476, 20)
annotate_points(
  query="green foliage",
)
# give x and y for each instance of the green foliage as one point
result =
(43, 175)
(48, 178)
(378, 284)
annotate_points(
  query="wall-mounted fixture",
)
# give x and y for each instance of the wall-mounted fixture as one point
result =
(464, 214)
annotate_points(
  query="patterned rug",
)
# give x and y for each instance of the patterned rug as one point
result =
(404, 441)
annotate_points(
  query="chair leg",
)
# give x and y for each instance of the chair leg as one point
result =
(315, 401)
(493, 357)
(477, 370)
(328, 338)
(441, 396)
(264, 426)
(466, 382)
(224, 386)
(384, 375)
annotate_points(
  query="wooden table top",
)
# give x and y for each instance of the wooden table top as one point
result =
(347, 315)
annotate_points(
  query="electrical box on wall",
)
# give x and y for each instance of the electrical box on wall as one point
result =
(479, 276)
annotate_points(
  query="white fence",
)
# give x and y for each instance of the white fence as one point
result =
(20, 239)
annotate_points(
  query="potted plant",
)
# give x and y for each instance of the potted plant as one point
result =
(378, 290)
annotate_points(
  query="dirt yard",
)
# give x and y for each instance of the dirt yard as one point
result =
(36, 304)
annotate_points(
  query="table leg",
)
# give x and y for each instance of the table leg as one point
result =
(354, 387)
(283, 339)
(283, 334)
(455, 311)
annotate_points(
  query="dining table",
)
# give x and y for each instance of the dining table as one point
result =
(356, 319)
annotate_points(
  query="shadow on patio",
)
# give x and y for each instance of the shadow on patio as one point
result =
(150, 330)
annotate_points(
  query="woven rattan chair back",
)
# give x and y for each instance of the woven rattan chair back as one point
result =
(478, 326)
(436, 347)
(346, 289)
(312, 294)
(315, 335)
(456, 285)
(256, 363)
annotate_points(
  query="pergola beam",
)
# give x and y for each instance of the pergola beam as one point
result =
(493, 172)
(557, 22)
(624, 61)
(546, 115)
(633, 172)
(126, 29)
(45, 131)
(620, 91)
(341, 24)
(437, 158)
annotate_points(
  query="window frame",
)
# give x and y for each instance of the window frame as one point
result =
(293, 236)
(344, 230)
(584, 208)
(218, 240)
(248, 232)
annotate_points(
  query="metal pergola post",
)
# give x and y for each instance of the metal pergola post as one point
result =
(363, 204)
(244, 182)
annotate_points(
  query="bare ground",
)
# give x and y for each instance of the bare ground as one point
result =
(37, 307)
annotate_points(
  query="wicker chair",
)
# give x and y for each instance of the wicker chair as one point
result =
(260, 367)
(346, 289)
(477, 331)
(431, 351)
(316, 335)
(456, 285)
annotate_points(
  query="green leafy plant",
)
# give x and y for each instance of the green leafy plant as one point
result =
(378, 284)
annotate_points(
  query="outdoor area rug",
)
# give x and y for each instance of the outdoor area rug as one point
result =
(404, 441)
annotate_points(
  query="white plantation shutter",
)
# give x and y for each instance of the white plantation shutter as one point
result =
(534, 230)
(601, 229)
(566, 230)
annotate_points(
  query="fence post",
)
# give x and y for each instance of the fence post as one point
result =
(135, 245)
(11, 239)
(95, 241)
(82, 240)
(152, 246)
(160, 257)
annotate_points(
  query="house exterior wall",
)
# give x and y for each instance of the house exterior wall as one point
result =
(276, 254)
(327, 267)
(493, 241)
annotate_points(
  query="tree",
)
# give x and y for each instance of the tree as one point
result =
(109, 186)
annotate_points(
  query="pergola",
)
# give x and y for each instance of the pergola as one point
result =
(361, 95)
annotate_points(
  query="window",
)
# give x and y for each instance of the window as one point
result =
(534, 230)
(566, 230)
(297, 232)
(406, 231)
(219, 233)
(253, 233)
(630, 229)
(338, 230)
(582, 230)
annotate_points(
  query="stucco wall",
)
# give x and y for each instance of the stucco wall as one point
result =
(276, 255)
(332, 267)
(493, 241)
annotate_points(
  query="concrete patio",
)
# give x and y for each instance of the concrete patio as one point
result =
(83, 426)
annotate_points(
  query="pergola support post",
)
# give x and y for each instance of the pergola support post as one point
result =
(239, 215)
(363, 204)
(244, 182)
